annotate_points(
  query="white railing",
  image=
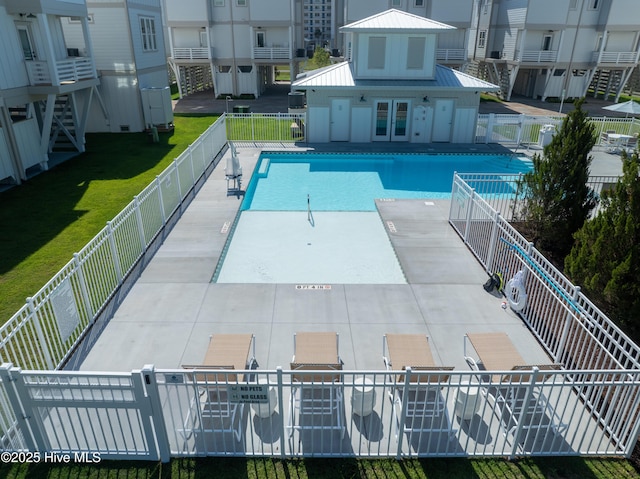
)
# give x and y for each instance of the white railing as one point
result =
(450, 54)
(536, 56)
(183, 53)
(525, 130)
(68, 70)
(271, 53)
(157, 414)
(258, 127)
(45, 331)
(615, 57)
(573, 330)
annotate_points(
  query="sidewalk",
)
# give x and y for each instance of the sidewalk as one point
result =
(275, 100)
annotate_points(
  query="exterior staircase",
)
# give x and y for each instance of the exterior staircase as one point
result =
(59, 141)
(606, 83)
(497, 73)
(195, 78)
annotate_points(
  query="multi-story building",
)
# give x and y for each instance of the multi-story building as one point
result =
(129, 53)
(452, 45)
(233, 45)
(319, 24)
(557, 48)
(47, 82)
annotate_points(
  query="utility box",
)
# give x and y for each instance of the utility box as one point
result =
(157, 107)
(546, 135)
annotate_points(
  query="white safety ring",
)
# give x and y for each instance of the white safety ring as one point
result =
(516, 295)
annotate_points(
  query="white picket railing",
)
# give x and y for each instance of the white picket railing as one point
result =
(67, 70)
(527, 130)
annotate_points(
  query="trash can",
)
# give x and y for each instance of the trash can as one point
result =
(241, 109)
(546, 135)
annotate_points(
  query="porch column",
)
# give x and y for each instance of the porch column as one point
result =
(89, 45)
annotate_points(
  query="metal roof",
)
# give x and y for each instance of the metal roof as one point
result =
(395, 21)
(340, 75)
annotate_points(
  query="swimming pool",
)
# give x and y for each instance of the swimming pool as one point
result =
(351, 182)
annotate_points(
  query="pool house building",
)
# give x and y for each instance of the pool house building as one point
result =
(391, 87)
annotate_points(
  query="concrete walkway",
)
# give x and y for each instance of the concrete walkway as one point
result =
(171, 311)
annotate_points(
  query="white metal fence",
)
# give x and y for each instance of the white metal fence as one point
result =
(157, 414)
(266, 127)
(505, 193)
(527, 130)
(573, 330)
(43, 334)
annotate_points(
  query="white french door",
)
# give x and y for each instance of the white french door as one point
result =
(391, 122)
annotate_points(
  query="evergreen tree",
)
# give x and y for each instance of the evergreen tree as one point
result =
(557, 199)
(605, 260)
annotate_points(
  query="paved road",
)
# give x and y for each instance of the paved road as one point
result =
(275, 100)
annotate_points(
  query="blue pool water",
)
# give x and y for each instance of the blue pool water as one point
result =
(339, 182)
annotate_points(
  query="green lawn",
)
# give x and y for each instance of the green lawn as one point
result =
(51, 216)
(222, 468)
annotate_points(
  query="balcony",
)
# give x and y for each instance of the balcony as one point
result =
(536, 56)
(66, 71)
(271, 53)
(615, 58)
(450, 54)
(188, 53)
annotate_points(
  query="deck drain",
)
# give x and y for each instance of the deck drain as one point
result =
(391, 227)
(429, 203)
(313, 286)
(225, 227)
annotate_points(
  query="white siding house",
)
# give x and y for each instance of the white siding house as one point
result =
(391, 88)
(231, 46)
(47, 82)
(129, 51)
(557, 48)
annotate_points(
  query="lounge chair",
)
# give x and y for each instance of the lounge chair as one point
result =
(420, 395)
(316, 399)
(214, 378)
(233, 172)
(510, 392)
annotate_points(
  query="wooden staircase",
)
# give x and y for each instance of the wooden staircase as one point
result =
(195, 78)
(606, 83)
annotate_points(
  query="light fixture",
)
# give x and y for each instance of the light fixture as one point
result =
(31, 15)
(425, 99)
(362, 98)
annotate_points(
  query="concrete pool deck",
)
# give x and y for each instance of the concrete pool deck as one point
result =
(172, 309)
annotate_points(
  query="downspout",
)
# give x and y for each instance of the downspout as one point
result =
(573, 50)
(234, 71)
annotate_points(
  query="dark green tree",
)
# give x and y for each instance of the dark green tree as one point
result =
(557, 200)
(605, 259)
(320, 59)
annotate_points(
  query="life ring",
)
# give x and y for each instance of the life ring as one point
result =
(516, 294)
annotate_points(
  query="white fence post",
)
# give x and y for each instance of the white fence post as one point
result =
(489, 133)
(565, 329)
(155, 412)
(8, 379)
(42, 340)
(281, 409)
(114, 251)
(83, 286)
(492, 242)
(140, 222)
(160, 199)
(469, 214)
(37, 437)
(403, 412)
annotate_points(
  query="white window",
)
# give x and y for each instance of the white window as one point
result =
(241, 3)
(594, 4)
(218, 3)
(547, 40)
(419, 3)
(376, 58)
(415, 53)
(260, 39)
(482, 38)
(395, 3)
(148, 31)
(573, 4)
